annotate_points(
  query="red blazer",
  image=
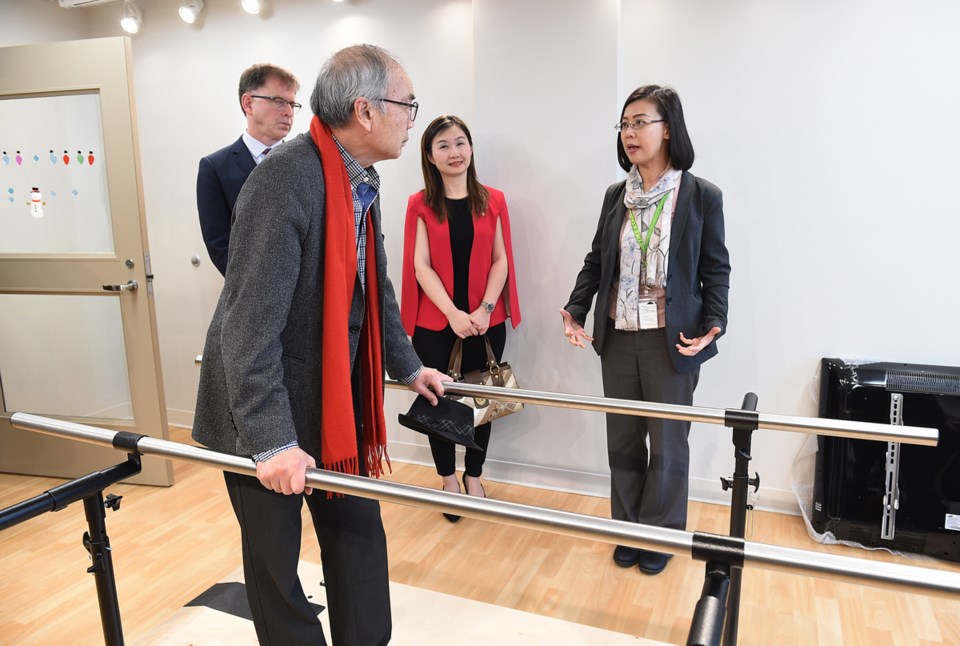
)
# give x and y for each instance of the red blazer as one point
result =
(418, 310)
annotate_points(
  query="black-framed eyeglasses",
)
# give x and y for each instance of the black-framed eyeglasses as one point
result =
(636, 124)
(279, 102)
(413, 107)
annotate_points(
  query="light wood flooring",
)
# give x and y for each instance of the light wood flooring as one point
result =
(171, 544)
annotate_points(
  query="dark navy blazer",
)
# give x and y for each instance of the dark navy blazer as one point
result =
(698, 280)
(219, 180)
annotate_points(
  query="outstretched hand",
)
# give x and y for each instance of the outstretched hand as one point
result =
(692, 347)
(574, 332)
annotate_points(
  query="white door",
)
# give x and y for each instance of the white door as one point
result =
(78, 334)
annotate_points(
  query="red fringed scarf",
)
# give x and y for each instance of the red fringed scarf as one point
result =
(338, 436)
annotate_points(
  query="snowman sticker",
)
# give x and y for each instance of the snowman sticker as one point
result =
(36, 203)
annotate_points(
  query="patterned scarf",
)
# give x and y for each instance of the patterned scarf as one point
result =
(653, 265)
(338, 437)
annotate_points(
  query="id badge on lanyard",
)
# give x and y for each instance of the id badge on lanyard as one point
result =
(647, 310)
(647, 307)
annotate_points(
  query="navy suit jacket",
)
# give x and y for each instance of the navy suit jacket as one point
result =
(698, 280)
(219, 180)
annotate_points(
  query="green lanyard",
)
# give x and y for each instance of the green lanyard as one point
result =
(644, 243)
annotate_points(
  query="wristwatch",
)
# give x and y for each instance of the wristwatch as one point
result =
(487, 306)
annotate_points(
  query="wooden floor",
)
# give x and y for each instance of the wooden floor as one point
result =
(171, 544)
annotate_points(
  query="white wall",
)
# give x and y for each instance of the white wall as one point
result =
(26, 22)
(832, 130)
(186, 86)
(829, 126)
(546, 85)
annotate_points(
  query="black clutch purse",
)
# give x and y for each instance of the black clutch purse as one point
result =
(448, 420)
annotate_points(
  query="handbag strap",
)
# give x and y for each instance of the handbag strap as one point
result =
(456, 358)
(492, 364)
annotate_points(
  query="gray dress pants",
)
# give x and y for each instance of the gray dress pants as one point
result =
(647, 486)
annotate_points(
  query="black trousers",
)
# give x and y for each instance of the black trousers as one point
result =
(434, 350)
(353, 551)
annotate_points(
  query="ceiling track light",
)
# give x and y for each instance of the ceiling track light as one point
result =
(131, 17)
(190, 11)
(250, 6)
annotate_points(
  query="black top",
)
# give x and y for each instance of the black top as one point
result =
(461, 242)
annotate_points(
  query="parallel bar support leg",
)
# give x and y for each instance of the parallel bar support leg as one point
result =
(98, 544)
(743, 422)
(706, 627)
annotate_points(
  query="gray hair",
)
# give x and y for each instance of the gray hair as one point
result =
(353, 72)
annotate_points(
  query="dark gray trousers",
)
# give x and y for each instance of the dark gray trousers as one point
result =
(647, 486)
(353, 551)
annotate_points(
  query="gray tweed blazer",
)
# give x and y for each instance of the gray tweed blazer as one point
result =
(260, 378)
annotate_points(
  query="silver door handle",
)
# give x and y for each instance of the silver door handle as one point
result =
(129, 286)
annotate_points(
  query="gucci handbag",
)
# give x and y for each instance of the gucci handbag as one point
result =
(494, 374)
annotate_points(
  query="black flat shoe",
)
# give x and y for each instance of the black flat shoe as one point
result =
(653, 562)
(626, 556)
(453, 518)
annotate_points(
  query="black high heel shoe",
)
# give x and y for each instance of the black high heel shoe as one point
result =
(453, 518)
(482, 490)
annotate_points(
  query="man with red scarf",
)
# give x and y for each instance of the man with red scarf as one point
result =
(294, 358)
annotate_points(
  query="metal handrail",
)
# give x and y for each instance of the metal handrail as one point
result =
(905, 577)
(817, 426)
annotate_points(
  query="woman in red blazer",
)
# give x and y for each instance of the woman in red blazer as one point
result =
(458, 277)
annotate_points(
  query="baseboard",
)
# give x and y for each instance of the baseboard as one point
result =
(180, 418)
(578, 482)
(527, 475)
(781, 501)
(591, 484)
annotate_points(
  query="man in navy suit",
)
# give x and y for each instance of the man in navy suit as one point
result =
(267, 94)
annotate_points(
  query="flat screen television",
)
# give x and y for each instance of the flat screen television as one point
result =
(851, 483)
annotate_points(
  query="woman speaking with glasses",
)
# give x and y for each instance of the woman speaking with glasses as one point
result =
(660, 271)
(458, 277)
